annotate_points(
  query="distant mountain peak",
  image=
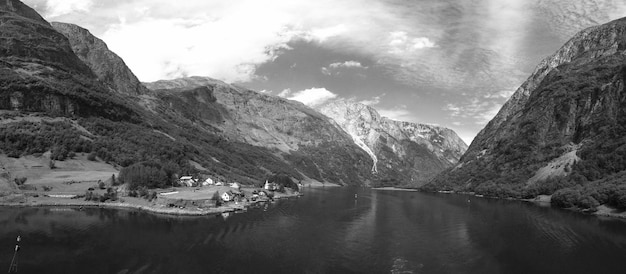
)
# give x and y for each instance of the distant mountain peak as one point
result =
(418, 151)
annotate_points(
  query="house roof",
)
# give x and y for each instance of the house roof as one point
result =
(186, 177)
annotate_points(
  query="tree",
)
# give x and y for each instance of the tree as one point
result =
(216, 197)
(113, 181)
(52, 164)
(91, 156)
(20, 181)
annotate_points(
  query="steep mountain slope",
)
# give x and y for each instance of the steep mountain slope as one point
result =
(39, 71)
(308, 140)
(108, 67)
(564, 126)
(416, 152)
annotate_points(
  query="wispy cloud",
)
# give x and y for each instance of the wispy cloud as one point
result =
(479, 111)
(399, 113)
(335, 68)
(55, 8)
(372, 101)
(347, 64)
(222, 39)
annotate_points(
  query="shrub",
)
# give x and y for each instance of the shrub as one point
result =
(619, 198)
(566, 198)
(52, 164)
(91, 156)
(20, 181)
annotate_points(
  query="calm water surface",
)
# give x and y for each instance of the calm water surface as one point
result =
(326, 231)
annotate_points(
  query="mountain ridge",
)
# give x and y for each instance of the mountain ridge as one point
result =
(561, 132)
(421, 150)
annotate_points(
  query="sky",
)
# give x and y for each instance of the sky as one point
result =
(447, 62)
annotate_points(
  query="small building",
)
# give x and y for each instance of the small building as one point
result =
(219, 184)
(228, 196)
(270, 186)
(235, 186)
(208, 182)
(186, 181)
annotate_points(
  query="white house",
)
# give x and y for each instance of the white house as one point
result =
(270, 186)
(228, 196)
(219, 184)
(208, 182)
(235, 186)
(186, 181)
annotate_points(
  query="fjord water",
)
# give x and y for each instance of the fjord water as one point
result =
(326, 231)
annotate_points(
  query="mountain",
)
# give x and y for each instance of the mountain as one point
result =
(564, 128)
(62, 90)
(40, 72)
(108, 67)
(413, 152)
(309, 141)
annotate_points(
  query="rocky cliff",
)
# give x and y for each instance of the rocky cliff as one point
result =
(40, 72)
(108, 67)
(416, 152)
(564, 126)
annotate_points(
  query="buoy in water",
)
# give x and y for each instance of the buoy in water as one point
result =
(355, 195)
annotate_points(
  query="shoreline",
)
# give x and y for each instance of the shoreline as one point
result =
(545, 200)
(152, 208)
(393, 188)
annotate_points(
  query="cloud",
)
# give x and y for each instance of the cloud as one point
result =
(227, 40)
(347, 64)
(400, 43)
(171, 48)
(372, 101)
(399, 113)
(334, 68)
(480, 111)
(57, 8)
(311, 97)
(323, 34)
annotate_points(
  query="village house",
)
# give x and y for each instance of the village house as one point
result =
(228, 196)
(270, 186)
(235, 185)
(208, 182)
(186, 181)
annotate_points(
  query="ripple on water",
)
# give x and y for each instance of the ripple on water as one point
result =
(554, 232)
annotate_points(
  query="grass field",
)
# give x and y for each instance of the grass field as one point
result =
(81, 172)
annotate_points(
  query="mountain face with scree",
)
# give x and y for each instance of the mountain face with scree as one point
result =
(414, 152)
(564, 128)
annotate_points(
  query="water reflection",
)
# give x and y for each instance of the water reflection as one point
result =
(326, 231)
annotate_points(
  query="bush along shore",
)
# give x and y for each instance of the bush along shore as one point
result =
(555, 200)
